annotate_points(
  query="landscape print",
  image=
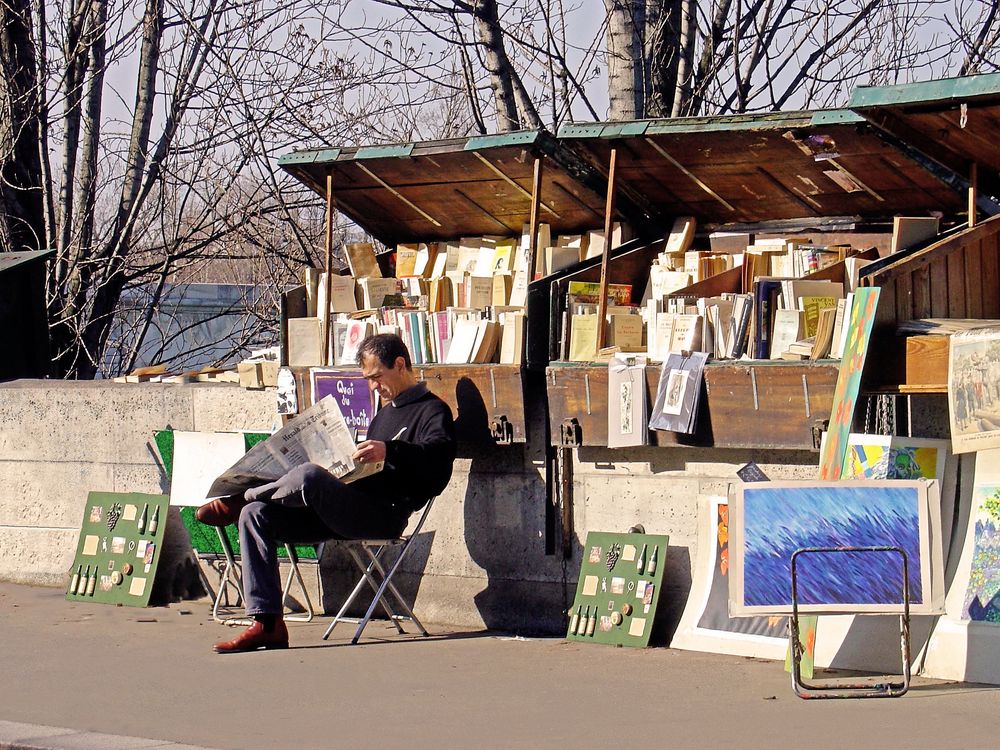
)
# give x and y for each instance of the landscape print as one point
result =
(982, 599)
(771, 521)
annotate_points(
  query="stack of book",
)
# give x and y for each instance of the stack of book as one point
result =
(452, 302)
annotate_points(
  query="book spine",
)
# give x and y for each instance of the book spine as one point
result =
(762, 314)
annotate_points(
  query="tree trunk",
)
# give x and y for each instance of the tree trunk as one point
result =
(76, 71)
(92, 107)
(22, 221)
(626, 84)
(502, 75)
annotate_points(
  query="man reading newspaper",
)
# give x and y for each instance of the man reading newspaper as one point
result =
(308, 482)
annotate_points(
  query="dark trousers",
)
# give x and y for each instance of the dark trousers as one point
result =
(306, 506)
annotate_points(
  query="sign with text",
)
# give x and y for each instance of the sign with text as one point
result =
(351, 391)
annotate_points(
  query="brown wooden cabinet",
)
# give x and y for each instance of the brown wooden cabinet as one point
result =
(759, 404)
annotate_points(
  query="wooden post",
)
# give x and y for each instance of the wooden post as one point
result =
(973, 190)
(609, 220)
(536, 199)
(325, 314)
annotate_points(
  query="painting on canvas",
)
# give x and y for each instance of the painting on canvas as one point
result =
(770, 521)
(706, 624)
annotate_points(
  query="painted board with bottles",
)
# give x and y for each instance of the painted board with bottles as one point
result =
(621, 576)
(121, 538)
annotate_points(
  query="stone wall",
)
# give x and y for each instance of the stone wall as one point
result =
(480, 561)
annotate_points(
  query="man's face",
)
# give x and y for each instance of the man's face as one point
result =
(388, 381)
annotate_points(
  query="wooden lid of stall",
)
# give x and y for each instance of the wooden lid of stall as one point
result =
(954, 121)
(746, 169)
(443, 190)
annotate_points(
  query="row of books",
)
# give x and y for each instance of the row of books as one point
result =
(451, 336)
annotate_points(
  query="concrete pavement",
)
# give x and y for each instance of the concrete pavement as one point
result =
(91, 676)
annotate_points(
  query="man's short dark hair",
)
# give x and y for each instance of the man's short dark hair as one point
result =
(385, 347)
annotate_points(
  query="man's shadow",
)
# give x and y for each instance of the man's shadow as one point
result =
(504, 521)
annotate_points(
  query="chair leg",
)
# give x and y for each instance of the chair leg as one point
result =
(381, 591)
(375, 582)
(347, 603)
(366, 575)
(391, 588)
(296, 574)
(230, 576)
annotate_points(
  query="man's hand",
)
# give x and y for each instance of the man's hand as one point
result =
(369, 452)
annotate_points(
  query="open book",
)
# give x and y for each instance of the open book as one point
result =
(319, 435)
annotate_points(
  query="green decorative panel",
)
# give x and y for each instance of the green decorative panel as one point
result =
(121, 538)
(517, 138)
(621, 576)
(309, 157)
(383, 152)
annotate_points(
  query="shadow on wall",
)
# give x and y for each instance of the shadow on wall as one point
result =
(504, 520)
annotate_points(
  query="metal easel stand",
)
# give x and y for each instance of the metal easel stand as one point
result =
(887, 689)
(230, 576)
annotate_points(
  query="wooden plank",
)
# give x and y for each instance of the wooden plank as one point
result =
(973, 280)
(921, 289)
(884, 339)
(478, 394)
(738, 398)
(956, 285)
(991, 276)
(788, 399)
(609, 214)
(468, 390)
(926, 360)
(904, 298)
(939, 288)
(579, 393)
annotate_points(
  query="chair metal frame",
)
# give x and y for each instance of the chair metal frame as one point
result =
(379, 579)
(231, 574)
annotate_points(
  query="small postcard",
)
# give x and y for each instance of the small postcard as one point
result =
(628, 553)
(117, 545)
(147, 556)
(130, 512)
(640, 589)
(95, 513)
(617, 585)
(595, 554)
(90, 544)
(140, 549)
(137, 587)
(637, 626)
(590, 585)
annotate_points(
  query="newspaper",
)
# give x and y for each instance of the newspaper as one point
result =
(319, 435)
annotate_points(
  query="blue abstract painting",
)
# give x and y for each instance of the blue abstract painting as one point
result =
(777, 519)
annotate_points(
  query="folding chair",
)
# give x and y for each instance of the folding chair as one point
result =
(380, 580)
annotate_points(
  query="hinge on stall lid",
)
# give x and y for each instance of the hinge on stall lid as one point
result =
(502, 430)
(570, 432)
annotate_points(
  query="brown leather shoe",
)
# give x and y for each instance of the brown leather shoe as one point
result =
(222, 511)
(254, 638)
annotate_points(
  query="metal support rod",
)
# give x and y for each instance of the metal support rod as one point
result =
(885, 689)
(536, 199)
(609, 218)
(324, 315)
(565, 462)
(973, 192)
